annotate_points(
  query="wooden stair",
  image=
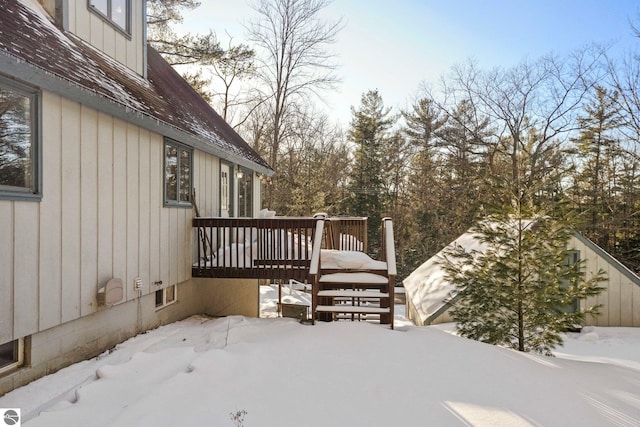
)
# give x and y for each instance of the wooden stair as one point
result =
(358, 294)
(349, 294)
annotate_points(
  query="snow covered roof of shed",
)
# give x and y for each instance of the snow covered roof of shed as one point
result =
(33, 49)
(428, 287)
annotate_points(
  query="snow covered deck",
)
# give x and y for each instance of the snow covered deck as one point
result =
(330, 253)
(277, 248)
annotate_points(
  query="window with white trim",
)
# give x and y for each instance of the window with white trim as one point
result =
(177, 174)
(19, 142)
(11, 355)
(225, 189)
(116, 12)
(166, 296)
(245, 192)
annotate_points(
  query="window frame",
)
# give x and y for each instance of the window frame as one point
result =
(245, 209)
(572, 257)
(170, 202)
(230, 187)
(163, 293)
(19, 362)
(108, 17)
(33, 193)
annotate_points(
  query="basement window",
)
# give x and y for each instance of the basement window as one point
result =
(166, 296)
(116, 12)
(11, 355)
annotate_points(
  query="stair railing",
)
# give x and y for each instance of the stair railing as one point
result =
(389, 256)
(314, 266)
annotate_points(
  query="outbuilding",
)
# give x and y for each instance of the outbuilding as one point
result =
(428, 290)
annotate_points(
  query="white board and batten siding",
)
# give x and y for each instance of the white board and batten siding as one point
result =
(90, 27)
(620, 301)
(101, 216)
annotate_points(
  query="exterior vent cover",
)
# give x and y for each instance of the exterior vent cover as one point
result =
(110, 293)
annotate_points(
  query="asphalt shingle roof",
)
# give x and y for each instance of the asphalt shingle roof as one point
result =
(27, 35)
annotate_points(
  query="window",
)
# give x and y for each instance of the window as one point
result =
(11, 355)
(245, 192)
(166, 296)
(19, 143)
(572, 260)
(225, 190)
(177, 174)
(117, 12)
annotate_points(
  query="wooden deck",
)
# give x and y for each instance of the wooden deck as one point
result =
(304, 249)
(270, 248)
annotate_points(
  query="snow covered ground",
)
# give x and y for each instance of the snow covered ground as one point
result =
(201, 371)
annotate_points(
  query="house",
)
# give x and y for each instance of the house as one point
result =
(102, 149)
(427, 288)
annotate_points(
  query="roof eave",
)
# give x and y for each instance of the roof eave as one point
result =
(35, 75)
(615, 263)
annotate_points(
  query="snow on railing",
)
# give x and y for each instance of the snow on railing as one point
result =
(270, 248)
(273, 248)
(347, 233)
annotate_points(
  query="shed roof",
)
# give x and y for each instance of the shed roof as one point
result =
(427, 286)
(35, 50)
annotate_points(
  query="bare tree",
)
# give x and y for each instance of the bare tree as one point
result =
(236, 63)
(625, 81)
(295, 61)
(532, 107)
(315, 160)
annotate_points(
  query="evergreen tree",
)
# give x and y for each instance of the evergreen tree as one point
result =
(424, 231)
(627, 222)
(369, 132)
(315, 160)
(422, 124)
(605, 190)
(203, 51)
(446, 180)
(599, 155)
(517, 290)
(179, 49)
(464, 147)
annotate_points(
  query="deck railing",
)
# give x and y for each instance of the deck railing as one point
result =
(268, 248)
(346, 233)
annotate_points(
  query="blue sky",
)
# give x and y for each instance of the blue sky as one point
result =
(395, 45)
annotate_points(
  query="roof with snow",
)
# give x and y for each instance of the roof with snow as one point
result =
(427, 286)
(35, 50)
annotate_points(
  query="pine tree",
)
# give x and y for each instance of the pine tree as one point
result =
(423, 234)
(517, 290)
(202, 52)
(627, 222)
(179, 49)
(368, 132)
(599, 155)
(446, 179)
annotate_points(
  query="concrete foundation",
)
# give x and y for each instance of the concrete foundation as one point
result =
(51, 350)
